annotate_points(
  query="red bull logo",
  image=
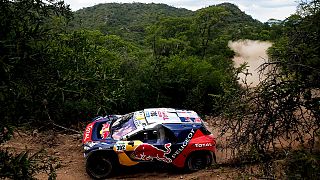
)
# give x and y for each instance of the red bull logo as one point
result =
(105, 131)
(148, 152)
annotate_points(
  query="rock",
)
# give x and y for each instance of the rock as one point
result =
(35, 133)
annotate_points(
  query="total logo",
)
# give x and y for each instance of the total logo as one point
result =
(88, 132)
(203, 145)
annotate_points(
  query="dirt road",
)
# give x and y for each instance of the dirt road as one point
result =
(67, 149)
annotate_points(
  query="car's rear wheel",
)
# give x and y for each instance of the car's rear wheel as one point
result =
(198, 160)
(98, 166)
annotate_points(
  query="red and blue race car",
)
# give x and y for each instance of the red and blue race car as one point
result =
(178, 137)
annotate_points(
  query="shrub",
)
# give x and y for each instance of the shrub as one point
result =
(25, 165)
(301, 164)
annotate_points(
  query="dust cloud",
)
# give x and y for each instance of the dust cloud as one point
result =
(252, 52)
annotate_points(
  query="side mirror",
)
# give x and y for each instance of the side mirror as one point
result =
(131, 143)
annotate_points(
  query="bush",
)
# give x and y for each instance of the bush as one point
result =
(25, 165)
(301, 164)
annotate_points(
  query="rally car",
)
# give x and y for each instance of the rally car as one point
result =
(178, 137)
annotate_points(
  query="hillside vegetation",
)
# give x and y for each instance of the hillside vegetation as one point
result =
(63, 67)
(131, 21)
(126, 20)
(75, 70)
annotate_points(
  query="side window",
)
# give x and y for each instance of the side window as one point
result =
(182, 135)
(159, 135)
(102, 129)
(168, 136)
(148, 136)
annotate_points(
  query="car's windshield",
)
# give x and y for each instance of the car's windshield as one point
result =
(123, 126)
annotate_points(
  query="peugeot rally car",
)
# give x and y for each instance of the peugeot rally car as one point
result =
(178, 137)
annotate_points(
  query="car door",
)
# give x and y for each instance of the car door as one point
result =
(154, 146)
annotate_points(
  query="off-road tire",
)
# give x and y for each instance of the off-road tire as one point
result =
(98, 166)
(198, 160)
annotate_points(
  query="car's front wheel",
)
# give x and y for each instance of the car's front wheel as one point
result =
(98, 166)
(198, 160)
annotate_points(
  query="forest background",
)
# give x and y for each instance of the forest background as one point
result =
(63, 67)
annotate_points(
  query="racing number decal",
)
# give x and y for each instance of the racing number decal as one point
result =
(121, 147)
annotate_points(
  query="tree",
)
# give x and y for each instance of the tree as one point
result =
(283, 111)
(26, 26)
(208, 23)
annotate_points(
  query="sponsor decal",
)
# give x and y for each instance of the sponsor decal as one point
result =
(137, 123)
(163, 115)
(89, 145)
(139, 115)
(153, 113)
(105, 131)
(148, 152)
(197, 120)
(159, 114)
(147, 114)
(203, 145)
(184, 144)
(188, 119)
(87, 133)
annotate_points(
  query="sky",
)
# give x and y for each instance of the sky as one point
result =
(263, 10)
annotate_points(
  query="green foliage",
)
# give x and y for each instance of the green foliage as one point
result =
(301, 164)
(298, 50)
(282, 111)
(128, 21)
(117, 58)
(25, 29)
(113, 58)
(208, 25)
(131, 21)
(87, 67)
(25, 165)
(5, 132)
